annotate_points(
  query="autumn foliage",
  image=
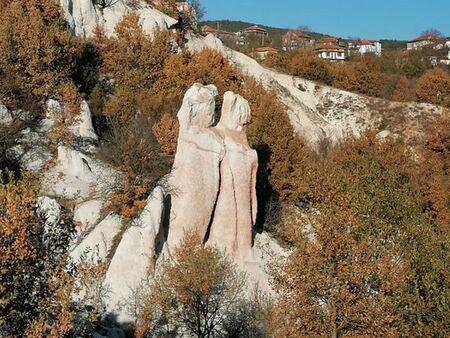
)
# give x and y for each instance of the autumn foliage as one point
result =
(390, 76)
(36, 48)
(362, 248)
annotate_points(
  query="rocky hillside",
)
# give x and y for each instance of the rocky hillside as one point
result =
(212, 186)
(319, 112)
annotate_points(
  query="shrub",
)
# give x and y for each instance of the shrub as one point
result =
(35, 46)
(133, 149)
(193, 294)
(434, 87)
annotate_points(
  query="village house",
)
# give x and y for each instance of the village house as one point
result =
(428, 40)
(255, 33)
(364, 46)
(263, 52)
(220, 34)
(294, 40)
(330, 48)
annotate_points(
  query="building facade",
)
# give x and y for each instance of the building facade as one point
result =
(294, 40)
(364, 47)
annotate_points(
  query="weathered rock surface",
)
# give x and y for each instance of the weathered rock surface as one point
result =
(83, 127)
(83, 16)
(87, 214)
(5, 116)
(134, 258)
(97, 243)
(236, 206)
(195, 177)
(77, 176)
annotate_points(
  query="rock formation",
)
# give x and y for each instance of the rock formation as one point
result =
(194, 180)
(236, 206)
(134, 258)
(83, 16)
(214, 176)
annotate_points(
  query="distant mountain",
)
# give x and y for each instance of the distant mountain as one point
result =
(276, 33)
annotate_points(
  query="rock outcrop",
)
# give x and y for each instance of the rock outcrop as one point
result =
(134, 258)
(83, 16)
(83, 128)
(5, 116)
(214, 174)
(236, 206)
(194, 180)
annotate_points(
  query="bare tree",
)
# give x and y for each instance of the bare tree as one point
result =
(199, 8)
(303, 28)
(432, 31)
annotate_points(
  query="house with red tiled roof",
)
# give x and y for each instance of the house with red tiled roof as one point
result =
(330, 48)
(205, 29)
(294, 40)
(429, 40)
(364, 46)
(263, 52)
(256, 30)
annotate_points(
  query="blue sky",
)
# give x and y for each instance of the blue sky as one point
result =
(393, 19)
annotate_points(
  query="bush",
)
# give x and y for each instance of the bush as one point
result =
(35, 46)
(194, 293)
(434, 87)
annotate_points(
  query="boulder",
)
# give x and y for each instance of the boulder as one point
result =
(72, 177)
(194, 180)
(236, 206)
(83, 127)
(134, 258)
(5, 116)
(97, 243)
(87, 214)
(53, 113)
(36, 158)
(14, 153)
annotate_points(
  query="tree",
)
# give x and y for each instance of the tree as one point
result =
(361, 261)
(303, 28)
(432, 31)
(199, 9)
(36, 47)
(193, 294)
(434, 87)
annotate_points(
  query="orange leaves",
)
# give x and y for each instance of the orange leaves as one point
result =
(434, 87)
(166, 133)
(194, 292)
(35, 45)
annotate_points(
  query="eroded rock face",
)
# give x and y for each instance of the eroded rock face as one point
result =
(214, 175)
(97, 244)
(83, 128)
(83, 17)
(195, 177)
(134, 258)
(236, 207)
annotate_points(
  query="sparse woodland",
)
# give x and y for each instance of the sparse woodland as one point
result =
(366, 222)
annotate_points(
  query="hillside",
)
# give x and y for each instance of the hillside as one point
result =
(276, 33)
(234, 26)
